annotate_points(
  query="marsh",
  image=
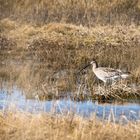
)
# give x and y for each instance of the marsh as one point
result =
(43, 44)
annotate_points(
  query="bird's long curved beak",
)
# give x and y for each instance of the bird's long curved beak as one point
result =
(84, 67)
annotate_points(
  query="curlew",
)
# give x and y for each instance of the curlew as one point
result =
(107, 75)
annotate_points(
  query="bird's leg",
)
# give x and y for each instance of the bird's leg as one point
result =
(105, 85)
(108, 85)
(98, 81)
(113, 83)
(98, 84)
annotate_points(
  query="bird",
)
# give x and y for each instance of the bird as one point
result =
(106, 74)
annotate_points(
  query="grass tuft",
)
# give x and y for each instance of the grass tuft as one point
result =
(44, 126)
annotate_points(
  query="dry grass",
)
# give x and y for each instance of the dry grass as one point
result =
(73, 45)
(44, 126)
(84, 12)
(65, 48)
(34, 79)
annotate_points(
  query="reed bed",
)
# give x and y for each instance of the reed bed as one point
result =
(34, 79)
(44, 43)
(83, 12)
(66, 46)
(22, 125)
(57, 51)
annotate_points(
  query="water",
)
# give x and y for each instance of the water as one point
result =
(16, 100)
(21, 82)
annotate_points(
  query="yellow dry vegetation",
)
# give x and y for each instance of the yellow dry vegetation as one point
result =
(24, 125)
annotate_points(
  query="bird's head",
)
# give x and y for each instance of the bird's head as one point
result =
(93, 63)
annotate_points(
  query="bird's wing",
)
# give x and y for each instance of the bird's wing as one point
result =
(111, 72)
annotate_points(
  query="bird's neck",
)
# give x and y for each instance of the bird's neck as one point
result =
(94, 66)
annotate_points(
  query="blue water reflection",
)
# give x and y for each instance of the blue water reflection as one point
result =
(17, 100)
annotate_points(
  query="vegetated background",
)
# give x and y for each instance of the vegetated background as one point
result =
(67, 34)
(85, 12)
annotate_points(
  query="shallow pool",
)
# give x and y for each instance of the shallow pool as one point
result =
(16, 100)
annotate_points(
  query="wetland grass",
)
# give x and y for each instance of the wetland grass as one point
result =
(44, 43)
(22, 125)
(63, 49)
(90, 13)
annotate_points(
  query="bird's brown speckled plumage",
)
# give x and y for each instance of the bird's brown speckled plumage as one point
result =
(108, 74)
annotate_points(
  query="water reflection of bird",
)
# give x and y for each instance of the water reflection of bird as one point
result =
(107, 75)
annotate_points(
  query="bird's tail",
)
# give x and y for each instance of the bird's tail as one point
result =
(125, 75)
